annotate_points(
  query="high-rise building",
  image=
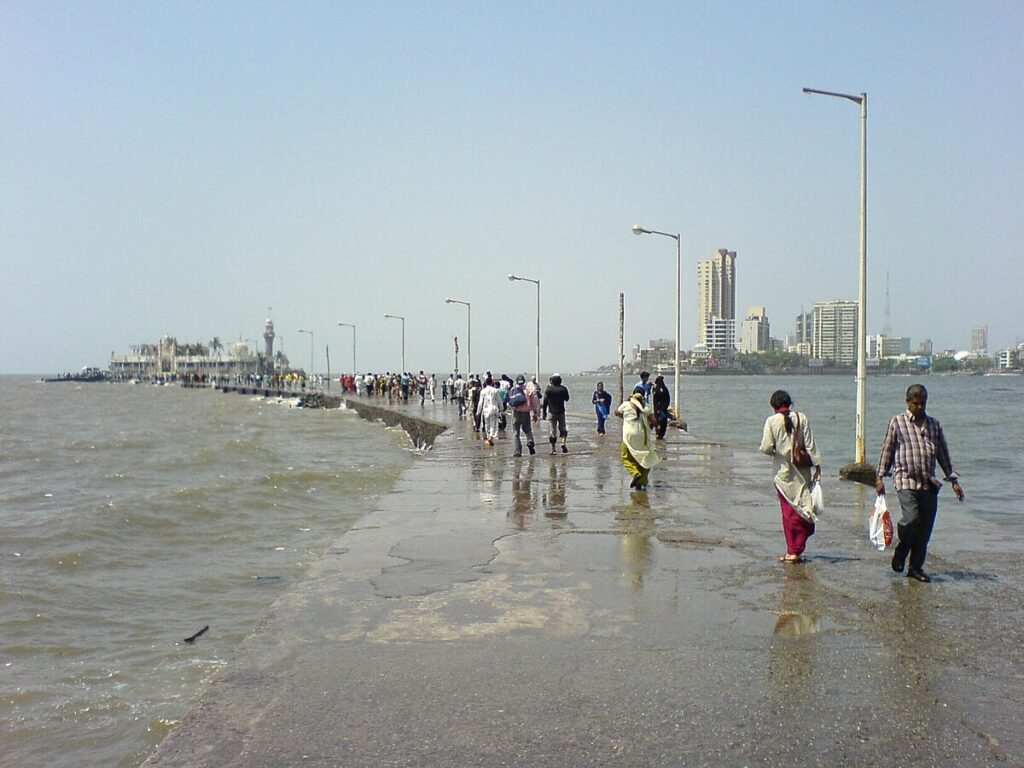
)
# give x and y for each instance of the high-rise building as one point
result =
(721, 335)
(979, 340)
(805, 328)
(835, 332)
(716, 292)
(755, 331)
(880, 346)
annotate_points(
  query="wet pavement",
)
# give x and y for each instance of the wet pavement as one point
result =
(500, 611)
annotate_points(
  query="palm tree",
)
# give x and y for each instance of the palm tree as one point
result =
(216, 346)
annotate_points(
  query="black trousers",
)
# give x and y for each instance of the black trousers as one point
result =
(915, 526)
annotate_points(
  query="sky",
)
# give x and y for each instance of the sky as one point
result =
(177, 168)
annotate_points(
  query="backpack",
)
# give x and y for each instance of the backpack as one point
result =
(517, 397)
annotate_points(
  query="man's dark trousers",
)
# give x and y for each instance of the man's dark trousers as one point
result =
(915, 526)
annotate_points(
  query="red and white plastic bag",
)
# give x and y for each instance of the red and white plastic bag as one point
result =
(880, 525)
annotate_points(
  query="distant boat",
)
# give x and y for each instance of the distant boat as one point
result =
(86, 374)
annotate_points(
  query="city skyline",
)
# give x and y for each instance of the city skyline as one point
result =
(175, 169)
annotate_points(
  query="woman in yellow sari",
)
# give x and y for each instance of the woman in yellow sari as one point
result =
(638, 455)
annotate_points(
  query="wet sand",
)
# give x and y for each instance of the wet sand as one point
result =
(534, 612)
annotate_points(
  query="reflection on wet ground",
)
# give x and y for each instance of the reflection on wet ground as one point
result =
(553, 498)
(793, 621)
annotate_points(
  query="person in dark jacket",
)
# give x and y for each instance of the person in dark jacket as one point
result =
(660, 400)
(553, 409)
(602, 405)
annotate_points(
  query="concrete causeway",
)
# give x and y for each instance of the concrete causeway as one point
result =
(500, 611)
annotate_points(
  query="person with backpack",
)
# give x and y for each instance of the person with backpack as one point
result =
(788, 438)
(524, 410)
(553, 409)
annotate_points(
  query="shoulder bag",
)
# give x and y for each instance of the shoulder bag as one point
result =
(801, 458)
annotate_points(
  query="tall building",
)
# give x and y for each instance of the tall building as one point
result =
(835, 332)
(979, 340)
(804, 327)
(880, 346)
(755, 331)
(716, 291)
(721, 335)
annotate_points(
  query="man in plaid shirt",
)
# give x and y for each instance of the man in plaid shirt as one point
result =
(913, 443)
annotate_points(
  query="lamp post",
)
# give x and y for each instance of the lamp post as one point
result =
(513, 278)
(859, 469)
(350, 325)
(399, 317)
(469, 331)
(638, 230)
(311, 366)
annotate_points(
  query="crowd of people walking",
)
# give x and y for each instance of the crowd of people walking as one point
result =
(914, 443)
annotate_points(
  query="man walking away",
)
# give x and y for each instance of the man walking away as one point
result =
(473, 387)
(459, 394)
(524, 409)
(913, 443)
(553, 408)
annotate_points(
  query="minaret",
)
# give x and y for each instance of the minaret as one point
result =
(268, 337)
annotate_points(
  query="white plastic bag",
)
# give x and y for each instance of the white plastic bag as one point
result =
(818, 498)
(880, 525)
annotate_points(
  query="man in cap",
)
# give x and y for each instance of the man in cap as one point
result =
(553, 408)
(525, 409)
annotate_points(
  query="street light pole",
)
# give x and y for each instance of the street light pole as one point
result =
(311, 365)
(399, 317)
(469, 331)
(349, 325)
(859, 469)
(537, 283)
(638, 230)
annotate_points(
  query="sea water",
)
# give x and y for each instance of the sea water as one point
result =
(133, 516)
(981, 416)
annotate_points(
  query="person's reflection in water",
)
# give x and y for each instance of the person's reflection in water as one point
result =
(523, 505)
(602, 467)
(492, 474)
(635, 550)
(554, 498)
(794, 649)
(796, 610)
(921, 651)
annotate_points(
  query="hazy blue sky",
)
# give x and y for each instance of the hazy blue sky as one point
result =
(176, 168)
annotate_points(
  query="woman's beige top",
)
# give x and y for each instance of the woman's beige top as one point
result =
(793, 482)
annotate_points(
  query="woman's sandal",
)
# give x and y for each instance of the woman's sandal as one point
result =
(791, 559)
